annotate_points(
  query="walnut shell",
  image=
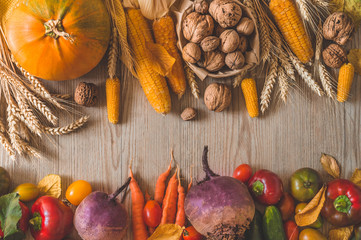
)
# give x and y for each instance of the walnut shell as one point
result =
(334, 56)
(214, 61)
(225, 12)
(229, 40)
(86, 94)
(243, 44)
(245, 26)
(188, 114)
(219, 30)
(210, 43)
(191, 53)
(217, 97)
(235, 60)
(201, 6)
(338, 27)
(196, 27)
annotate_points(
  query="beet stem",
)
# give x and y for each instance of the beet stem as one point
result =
(116, 193)
(206, 168)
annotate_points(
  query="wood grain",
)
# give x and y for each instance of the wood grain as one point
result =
(288, 137)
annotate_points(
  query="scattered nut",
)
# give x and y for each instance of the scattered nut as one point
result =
(226, 12)
(338, 27)
(214, 61)
(86, 94)
(243, 44)
(217, 97)
(210, 43)
(235, 60)
(334, 56)
(245, 26)
(229, 40)
(191, 53)
(188, 114)
(196, 27)
(219, 30)
(201, 6)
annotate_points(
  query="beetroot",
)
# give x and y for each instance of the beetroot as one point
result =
(101, 216)
(219, 207)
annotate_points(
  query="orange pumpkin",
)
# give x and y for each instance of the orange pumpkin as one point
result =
(58, 39)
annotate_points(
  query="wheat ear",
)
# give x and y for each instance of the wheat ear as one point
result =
(61, 96)
(283, 82)
(239, 77)
(67, 129)
(270, 81)
(5, 141)
(113, 54)
(13, 133)
(192, 82)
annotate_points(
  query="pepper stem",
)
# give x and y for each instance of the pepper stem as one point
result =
(257, 188)
(206, 168)
(36, 221)
(342, 204)
(117, 192)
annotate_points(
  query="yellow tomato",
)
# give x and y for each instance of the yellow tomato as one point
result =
(311, 234)
(77, 191)
(27, 192)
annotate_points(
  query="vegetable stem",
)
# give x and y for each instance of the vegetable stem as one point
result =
(36, 221)
(342, 204)
(117, 192)
(258, 188)
(206, 169)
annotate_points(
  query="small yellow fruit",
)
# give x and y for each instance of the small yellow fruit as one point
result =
(27, 192)
(77, 191)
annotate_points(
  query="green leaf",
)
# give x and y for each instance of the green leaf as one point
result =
(10, 214)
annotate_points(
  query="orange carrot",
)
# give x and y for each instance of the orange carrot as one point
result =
(160, 186)
(181, 215)
(170, 201)
(139, 228)
(191, 182)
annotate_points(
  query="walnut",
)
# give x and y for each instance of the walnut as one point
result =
(86, 94)
(217, 97)
(334, 56)
(229, 40)
(245, 26)
(243, 44)
(201, 6)
(226, 12)
(214, 61)
(235, 60)
(191, 53)
(338, 27)
(197, 26)
(219, 30)
(210, 43)
(188, 114)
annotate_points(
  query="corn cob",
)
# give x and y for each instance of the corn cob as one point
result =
(112, 88)
(249, 90)
(165, 35)
(290, 23)
(153, 84)
(345, 79)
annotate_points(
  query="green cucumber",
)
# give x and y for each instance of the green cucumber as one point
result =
(255, 230)
(273, 225)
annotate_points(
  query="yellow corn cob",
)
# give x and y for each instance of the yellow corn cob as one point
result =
(249, 90)
(345, 78)
(112, 88)
(290, 23)
(154, 85)
(165, 35)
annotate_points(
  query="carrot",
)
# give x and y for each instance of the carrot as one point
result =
(160, 185)
(139, 229)
(147, 196)
(190, 185)
(170, 201)
(181, 215)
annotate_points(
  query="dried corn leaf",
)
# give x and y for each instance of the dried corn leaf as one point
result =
(354, 57)
(311, 212)
(50, 185)
(340, 233)
(356, 177)
(330, 165)
(167, 232)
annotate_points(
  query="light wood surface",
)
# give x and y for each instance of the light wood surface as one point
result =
(288, 137)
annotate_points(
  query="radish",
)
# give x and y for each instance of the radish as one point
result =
(219, 207)
(101, 216)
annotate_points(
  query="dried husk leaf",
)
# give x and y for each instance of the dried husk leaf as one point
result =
(354, 57)
(155, 9)
(356, 177)
(311, 212)
(50, 185)
(330, 165)
(167, 232)
(340, 233)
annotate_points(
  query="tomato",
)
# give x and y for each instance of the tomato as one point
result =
(27, 192)
(190, 233)
(286, 206)
(152, 213)
(243, 173)
(311, 234)
(319, 221)
(291, 230)
(305, 183)
(77, 191)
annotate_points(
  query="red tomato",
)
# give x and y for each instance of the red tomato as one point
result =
(152, 214)
(190, 233)
(291, 230)
(286, 206)
(243, 173)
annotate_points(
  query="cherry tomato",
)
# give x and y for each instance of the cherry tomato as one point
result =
(152, 213)
(27, 192)
(77, 191)
(286, 206)
(311, 234)
(190, 233)
(291, 230)
(243, 173)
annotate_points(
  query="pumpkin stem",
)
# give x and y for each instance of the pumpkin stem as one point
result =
(54, 29)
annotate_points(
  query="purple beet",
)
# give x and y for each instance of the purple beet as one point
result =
(219, 207)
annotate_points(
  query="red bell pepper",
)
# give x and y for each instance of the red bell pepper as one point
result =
(52, 219)
(23, 223)
(343, 203)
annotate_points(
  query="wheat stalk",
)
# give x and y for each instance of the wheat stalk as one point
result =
(283, 82)
(61, 96)
(309, 14)
(113, 54)
(270, 81)
(5, 141)
(13, 133)
(67, 129)
(192, 82)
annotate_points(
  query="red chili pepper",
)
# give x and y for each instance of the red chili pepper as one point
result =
(52, 219)
(266, 187)
(343, 203)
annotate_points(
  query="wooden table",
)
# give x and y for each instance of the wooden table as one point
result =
(288, 137)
